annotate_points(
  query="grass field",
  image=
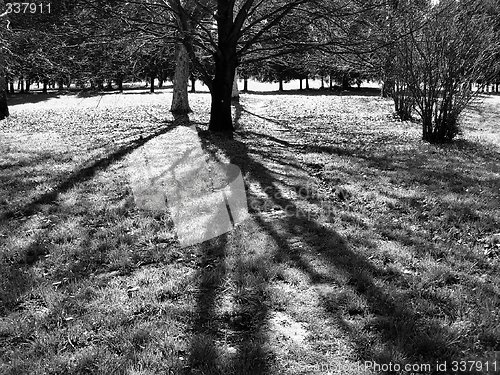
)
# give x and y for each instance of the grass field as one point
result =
(364, 243)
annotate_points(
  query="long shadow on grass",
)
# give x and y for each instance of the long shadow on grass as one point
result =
(83, 174)
(402, 331)
(30, 98)
(365, 91)
(205, 330)
(427, 168)
(16, 264)
(228, 342)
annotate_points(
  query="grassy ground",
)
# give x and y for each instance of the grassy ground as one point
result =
(364, 243)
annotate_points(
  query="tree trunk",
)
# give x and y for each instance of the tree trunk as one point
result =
(119, 81)
(11, 84)
(307, 83)
(152, 85)
(180, 100)
(193, 84)
(28, 84)
(245, 84)
(161, 78)
(281, 85)
(235, 93)
(387, 88)
(60, 85)
(21, 81)
(45, 84)
(222, 84)
(322, 84)
(301, 88)
(331, 82)
(345, 81)
(109, 85)
(4, 108)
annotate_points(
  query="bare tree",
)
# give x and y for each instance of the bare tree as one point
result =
(437, 64)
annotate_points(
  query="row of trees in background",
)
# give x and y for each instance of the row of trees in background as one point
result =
(428, 53)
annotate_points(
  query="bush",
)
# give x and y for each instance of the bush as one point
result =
(437, 62)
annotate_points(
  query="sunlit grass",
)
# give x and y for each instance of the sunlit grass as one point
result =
(398, 269)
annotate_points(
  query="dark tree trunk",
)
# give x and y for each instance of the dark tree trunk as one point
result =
(307, 83)
(109, 85)
(345, 81)
(37, 84)
(496, 87)
(19, 84)
(322, 84)
(222, 85)
(60, 85)
(245, 84)
(28, 84)
(119, 83)
(281, 85)
(161, 78)
(45, 84)
(21, 81)
(301, 87)
(4, 108)
(193, 84)
(152, 84)
(11, 84)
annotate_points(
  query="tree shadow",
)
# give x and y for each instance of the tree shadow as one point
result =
(16, 263)
(403, 329)
(404, 332)
(30, 98)
(205, 328)
(88, 93)
(84, 174)
(425, 168)
(364, 91)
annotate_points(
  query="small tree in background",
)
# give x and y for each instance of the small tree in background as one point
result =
(437, 63)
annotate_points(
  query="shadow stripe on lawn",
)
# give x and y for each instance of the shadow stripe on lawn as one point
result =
(83, 174)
